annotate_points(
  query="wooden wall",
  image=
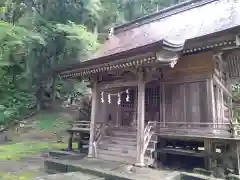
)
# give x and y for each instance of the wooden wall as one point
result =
(191, 65)
(185, 88)
(186, 102)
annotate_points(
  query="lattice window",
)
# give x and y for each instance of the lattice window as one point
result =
(132, 97)
(152, 103)
(152, 97)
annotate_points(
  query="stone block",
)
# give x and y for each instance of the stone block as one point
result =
(202, 171)
(232, 177)
(54, 166)
(191, 176)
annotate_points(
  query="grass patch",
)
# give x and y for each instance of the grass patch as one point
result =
(24, 149)
(46, 121)
(26, 175)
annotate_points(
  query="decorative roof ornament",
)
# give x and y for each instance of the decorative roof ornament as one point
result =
(238, 40)
(168, 58)
(110, 32)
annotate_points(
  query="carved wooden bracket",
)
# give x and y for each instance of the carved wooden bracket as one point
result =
(169, 54)
(168, 58)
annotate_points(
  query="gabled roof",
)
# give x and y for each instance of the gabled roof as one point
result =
(174, 25)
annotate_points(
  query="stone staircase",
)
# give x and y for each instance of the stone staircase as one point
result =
(121, 146)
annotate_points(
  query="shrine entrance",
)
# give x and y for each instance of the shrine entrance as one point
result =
(129, 104)
(129, 108)
(152, 102)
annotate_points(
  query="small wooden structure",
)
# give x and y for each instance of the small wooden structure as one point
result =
(80, 131)
(161, 84)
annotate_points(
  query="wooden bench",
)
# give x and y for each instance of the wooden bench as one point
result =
(81, 130)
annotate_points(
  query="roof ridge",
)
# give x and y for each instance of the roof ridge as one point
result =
(178, 8)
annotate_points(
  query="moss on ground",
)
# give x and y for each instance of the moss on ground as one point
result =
(23, 149)
(51, 121)
(26, 175)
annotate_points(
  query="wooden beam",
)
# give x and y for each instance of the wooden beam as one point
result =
(116, 84)
(187, 79)
(140, 119)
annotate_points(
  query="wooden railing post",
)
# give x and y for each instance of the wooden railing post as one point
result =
(140, 119)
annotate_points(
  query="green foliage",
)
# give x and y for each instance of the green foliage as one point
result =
(38, 36)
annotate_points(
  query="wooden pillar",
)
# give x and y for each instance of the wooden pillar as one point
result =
(217, 106)
(208, 148)
(140, 119)
(230, 109)
(91, 151)
(211, 105)
(238, 157)
(222, 106)
(163, 104)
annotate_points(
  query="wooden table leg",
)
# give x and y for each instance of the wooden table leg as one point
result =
(80, 141)
(70, 141)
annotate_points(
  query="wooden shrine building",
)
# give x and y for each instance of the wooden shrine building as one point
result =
(162, 85)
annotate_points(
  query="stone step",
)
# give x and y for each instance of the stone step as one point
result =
(117, 158)
(121, 150)
(132, 136)
(124, 132)
(60, 153)
(129, 129)
(131, 153)
(120, 140)
(125, 146)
